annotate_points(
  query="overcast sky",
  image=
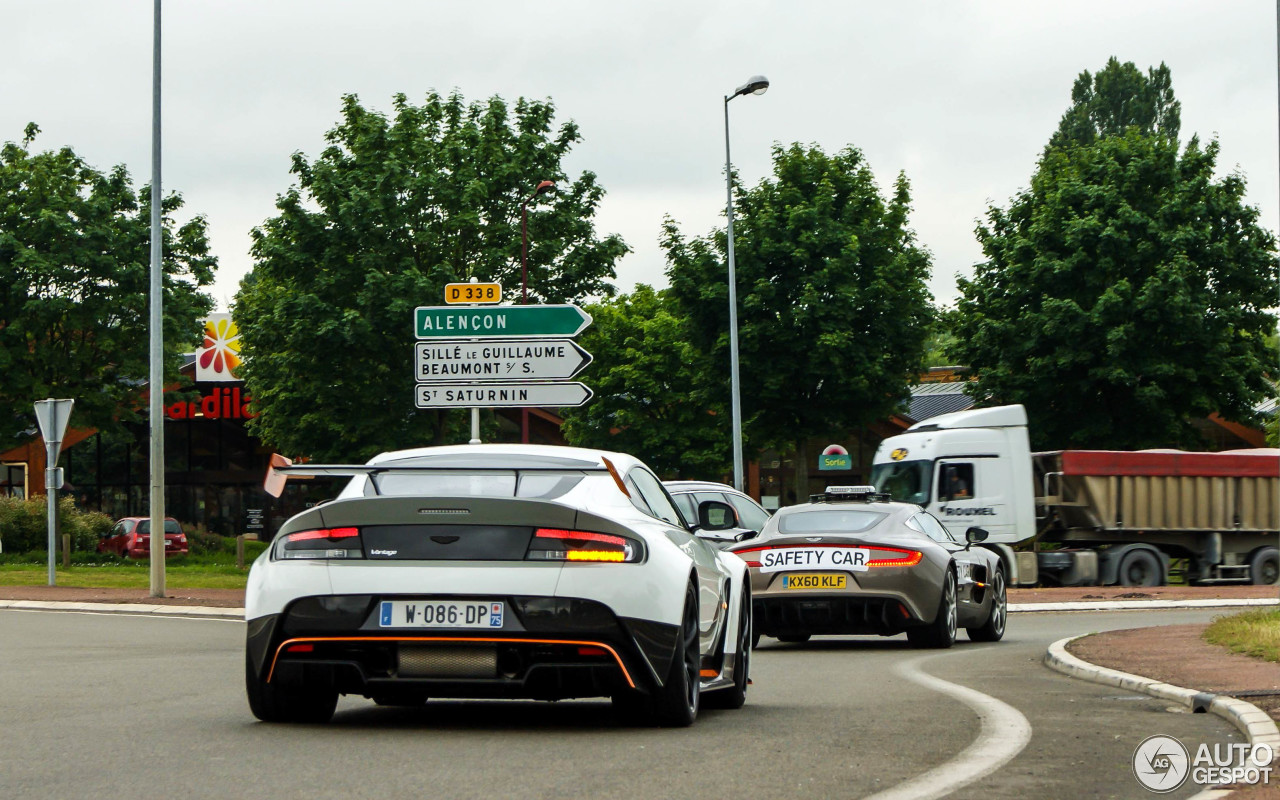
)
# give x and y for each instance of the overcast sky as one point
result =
(960, 95)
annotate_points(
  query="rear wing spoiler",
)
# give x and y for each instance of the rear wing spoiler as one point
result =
(281, 469)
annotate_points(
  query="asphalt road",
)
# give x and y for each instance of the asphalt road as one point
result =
(97, 705)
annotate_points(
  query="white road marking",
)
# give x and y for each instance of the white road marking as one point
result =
(1004, 733)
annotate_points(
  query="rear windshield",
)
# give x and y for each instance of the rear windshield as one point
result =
(170, 526)
(829, 520)
(543, 485)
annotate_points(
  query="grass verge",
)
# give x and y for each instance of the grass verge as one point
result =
(99, 571)
(1253, 633)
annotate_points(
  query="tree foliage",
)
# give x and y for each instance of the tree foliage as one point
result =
(1125, 292)
(650, 393)
(391, 211)
(75, 253)
(834, 311)
(1117, 98)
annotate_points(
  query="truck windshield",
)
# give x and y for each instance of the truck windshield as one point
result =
(906, 481)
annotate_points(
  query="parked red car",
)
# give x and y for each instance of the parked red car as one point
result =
(131, 538)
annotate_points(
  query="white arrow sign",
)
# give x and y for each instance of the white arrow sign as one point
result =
(507, 395)
(509, 360)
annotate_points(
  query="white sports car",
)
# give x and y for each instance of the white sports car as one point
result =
(516, 571)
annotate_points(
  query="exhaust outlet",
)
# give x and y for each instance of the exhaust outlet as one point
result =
(447, 662)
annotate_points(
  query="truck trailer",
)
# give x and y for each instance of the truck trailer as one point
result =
(1084, 517)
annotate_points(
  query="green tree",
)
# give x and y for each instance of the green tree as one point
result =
(75, 253)
(1124, 293)
(391, 211)
(834, 312)
(650, 394)
(1117, 98)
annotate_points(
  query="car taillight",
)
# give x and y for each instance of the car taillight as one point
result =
(321, 543)
(555, 544)
(893, 557)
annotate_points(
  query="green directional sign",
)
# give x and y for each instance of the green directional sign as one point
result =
(470, 322)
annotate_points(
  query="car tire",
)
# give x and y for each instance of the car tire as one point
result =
(675, 705)
(941, 632)
(736, 695)
(993, 629)
(277, 704)
(1140, 568)
(400, 700)
(1264, 567)
(799, 638)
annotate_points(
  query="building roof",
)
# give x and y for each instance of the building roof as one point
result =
(931, 399)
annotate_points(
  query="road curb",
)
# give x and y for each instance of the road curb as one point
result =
(1254, 723)
(1132, 605)
(125, 608)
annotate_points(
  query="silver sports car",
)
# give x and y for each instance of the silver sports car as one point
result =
(853, 562)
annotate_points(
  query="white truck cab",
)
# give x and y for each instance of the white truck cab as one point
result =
(967, 468)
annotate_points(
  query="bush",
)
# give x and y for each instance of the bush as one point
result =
(24, 524)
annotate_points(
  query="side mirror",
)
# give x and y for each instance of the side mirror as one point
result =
(716, 515)
(731, 536)
(975, 535)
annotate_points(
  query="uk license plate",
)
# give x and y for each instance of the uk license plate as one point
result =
(485, 614)
(813, 581)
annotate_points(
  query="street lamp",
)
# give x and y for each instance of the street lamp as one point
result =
(524, 279)
(758, 84)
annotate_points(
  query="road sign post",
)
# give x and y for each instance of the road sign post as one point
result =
(52, 416)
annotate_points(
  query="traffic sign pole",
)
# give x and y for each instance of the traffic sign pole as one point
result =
(51, 417)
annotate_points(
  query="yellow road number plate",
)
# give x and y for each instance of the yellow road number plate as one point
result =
(813, 581)
(458, 293)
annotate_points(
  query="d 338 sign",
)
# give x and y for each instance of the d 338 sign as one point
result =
(460, 293)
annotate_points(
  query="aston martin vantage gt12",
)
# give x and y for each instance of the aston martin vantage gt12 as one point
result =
(853, 562)
(496, 571)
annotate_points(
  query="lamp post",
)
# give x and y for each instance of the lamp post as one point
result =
(758, 84)
(155, 380)
(524, 279)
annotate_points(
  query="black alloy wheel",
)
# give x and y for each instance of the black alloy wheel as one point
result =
(676, 704)
(941, 633)
(271, 703)
(993, 629)
(736, 695)
(798, 638)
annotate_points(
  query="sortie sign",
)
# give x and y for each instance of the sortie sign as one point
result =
(498, 360)
(497, 322)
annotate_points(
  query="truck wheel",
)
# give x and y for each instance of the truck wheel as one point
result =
(1264, 567)
(1141, 568)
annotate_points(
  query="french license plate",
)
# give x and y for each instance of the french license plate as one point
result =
(813, 581)
(441, 614)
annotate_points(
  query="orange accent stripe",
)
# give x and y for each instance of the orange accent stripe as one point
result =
(616, 477)
(389, 639)
(707, 673)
